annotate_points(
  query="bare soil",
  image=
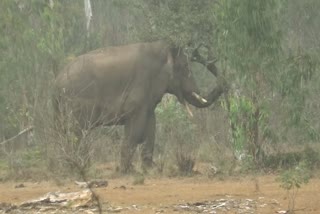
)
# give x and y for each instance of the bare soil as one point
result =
(175, 195)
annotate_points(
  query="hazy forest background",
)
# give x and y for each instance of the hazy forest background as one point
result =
(268, 50)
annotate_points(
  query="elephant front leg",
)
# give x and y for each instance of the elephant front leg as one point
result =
(134, 134)
(148, 146)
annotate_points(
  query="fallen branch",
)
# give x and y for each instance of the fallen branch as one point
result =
(19, 134)
(92, 184)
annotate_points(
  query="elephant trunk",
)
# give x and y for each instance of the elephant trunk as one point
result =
(203, 102)
(194, 98)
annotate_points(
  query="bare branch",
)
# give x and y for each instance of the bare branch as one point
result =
(19, 134)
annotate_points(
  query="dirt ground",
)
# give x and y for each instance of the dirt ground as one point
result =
(177, 195)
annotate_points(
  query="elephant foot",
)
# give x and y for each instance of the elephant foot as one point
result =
(147, 164)
(125, 168)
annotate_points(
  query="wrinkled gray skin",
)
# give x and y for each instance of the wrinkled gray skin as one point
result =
(122, 86)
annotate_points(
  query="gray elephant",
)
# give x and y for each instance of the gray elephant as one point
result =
(123, 85)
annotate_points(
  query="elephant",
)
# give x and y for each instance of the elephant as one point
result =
(123, 85)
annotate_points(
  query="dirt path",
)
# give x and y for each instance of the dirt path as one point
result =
(176, 195)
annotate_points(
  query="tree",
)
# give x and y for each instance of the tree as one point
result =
(250, 39)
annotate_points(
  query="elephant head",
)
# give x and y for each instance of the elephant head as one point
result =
(183, 84)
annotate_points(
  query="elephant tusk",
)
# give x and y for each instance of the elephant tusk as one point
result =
(188, 109)
(198, 97)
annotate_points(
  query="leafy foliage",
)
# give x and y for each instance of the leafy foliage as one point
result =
(248, 39)
(292, 180)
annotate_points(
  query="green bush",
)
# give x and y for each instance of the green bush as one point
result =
(292, 179)
(176, 136)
